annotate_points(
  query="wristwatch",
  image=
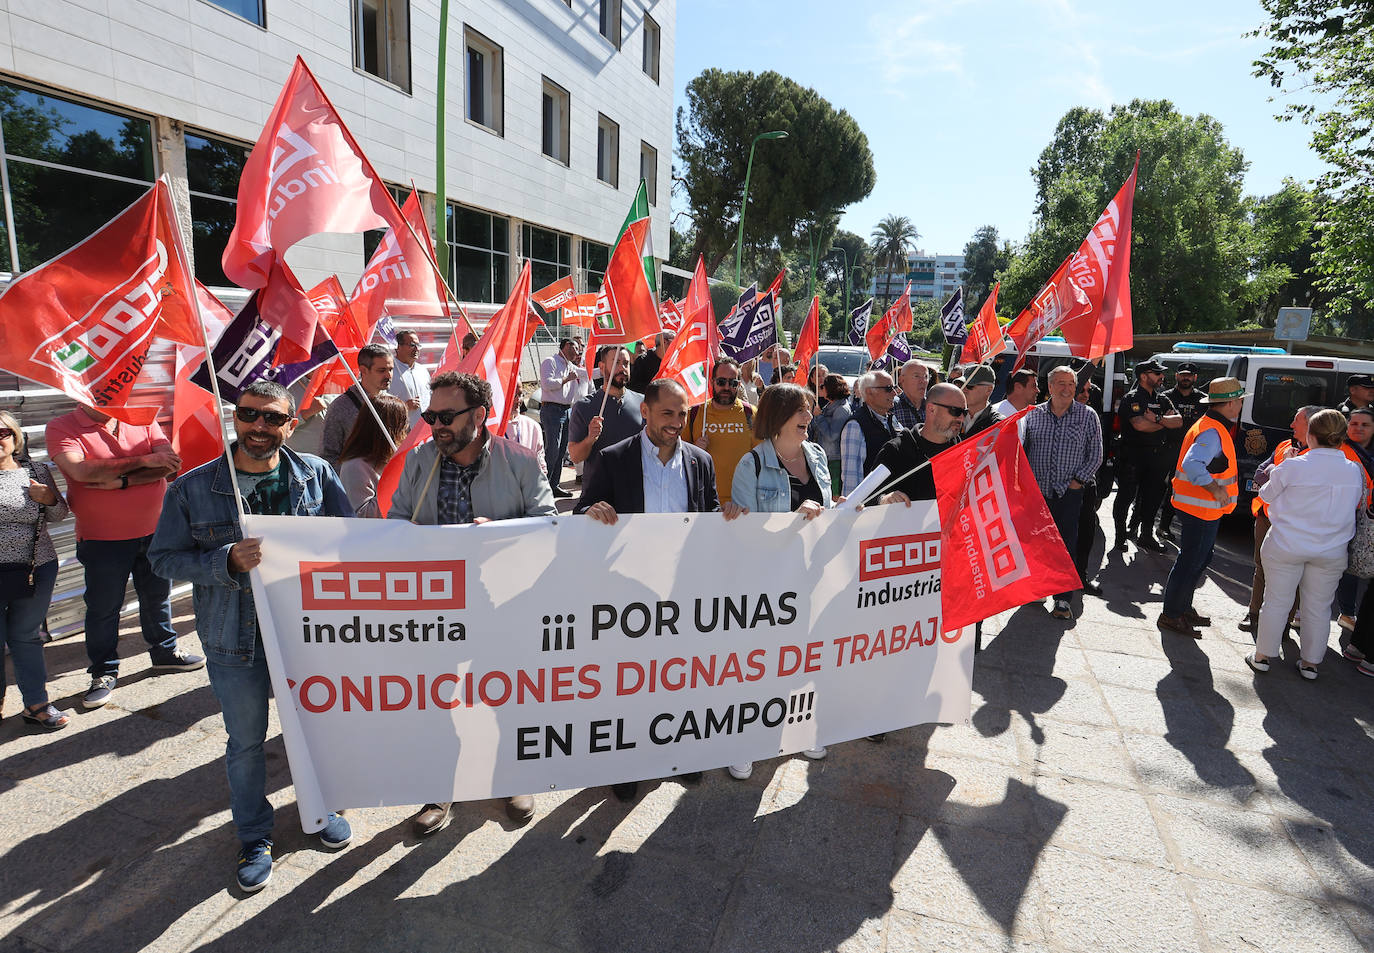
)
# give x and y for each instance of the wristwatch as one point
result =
(124, 481)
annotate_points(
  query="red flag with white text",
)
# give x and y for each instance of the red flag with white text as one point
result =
(556, 295)
(1058, 302)
(197, 428)
(691, 358)
(400, 278)
(84, 321)
(895, 320)
(1102, 269)
(670, 315)
(580, 312)
(999, 543)
(984, 334)
(339, 320)
(808, 343)
(626, 309)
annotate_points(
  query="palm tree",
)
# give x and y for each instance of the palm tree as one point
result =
(893, 239)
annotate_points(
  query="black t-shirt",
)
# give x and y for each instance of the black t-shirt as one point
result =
(908, 450)
(265, 494)
(801, 492)
(1189, 406)
(1134, 404)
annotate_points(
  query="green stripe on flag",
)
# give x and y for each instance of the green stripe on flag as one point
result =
(639, 208)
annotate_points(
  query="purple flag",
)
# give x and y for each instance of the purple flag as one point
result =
(243, 354)
(858, 324)
(752, 331)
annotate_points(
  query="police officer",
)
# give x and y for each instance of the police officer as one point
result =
(1143, 462)
(1187, 400)
(1360, 388)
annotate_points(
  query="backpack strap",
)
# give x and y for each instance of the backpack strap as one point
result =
(758, 461)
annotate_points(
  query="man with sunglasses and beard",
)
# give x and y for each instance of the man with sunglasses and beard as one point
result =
(724, 427)
(199, 538)
(466, 474)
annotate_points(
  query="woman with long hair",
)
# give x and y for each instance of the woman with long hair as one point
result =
(366, 451)
(827, 425)
(28, 570)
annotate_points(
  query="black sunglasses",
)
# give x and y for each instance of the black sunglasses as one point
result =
(955, 412)
(727, 381)
(890, 388)
(446, 417)
(274, 418)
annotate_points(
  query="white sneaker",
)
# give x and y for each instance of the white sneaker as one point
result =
(1307, 671)
(741, 772)
(815, 754)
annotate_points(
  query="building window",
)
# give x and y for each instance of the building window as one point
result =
(381, 39)
(594, 258)
(550, 256)
(607, 151)
(610, 21)
(555, 143)
(373, 238)
(484, 82)
(648, 170)
(71, 168)
(250, 10)
(479, 254)
(651, 41)
(212, 170)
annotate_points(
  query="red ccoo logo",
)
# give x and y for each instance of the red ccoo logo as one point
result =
(394, 585)
(898, 555)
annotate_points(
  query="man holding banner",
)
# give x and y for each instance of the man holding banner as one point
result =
(468, 475)
(906, 455)
(199, 538)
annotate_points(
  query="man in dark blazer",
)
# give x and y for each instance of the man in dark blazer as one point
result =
(654, 472)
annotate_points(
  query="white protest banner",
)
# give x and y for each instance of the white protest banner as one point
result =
(417, 664)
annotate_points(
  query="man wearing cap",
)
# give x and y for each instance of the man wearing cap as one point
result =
(978, 384)
(1187, 400)
(1143, 463)
(1360, 388)
(1205, 490)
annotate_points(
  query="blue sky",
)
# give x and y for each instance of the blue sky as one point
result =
(959, 97)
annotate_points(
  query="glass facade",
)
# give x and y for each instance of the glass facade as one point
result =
(479, 254)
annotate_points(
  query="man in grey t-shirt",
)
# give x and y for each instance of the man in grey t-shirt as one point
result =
(592, 428)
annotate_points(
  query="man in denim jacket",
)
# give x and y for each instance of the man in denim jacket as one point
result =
(199, 538)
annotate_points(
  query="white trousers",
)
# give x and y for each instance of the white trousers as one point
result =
(1286, 574)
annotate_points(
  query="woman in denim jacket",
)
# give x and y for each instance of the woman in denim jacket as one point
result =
(785, 473)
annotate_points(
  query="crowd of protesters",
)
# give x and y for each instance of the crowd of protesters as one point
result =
(759, 443)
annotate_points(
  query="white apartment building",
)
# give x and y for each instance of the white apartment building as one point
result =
(554, 110)
(932, 277)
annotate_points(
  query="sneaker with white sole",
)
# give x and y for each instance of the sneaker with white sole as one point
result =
(741, 772)
(255, 865)
(102, 686)
(177, 660)
(1257, 664)
(1354, 654)
(815, 754)
(1308, 672)
(337, 832)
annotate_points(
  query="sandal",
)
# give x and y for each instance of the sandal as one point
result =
(46, 716)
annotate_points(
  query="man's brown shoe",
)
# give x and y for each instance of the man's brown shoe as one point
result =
(520, 808)
(432, 819)
(1192, 618)
(1176, 625)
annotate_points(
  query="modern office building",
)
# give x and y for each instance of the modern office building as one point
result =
(932, 277)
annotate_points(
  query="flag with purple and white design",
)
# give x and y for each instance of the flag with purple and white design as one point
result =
(952, 318)
(858, 323)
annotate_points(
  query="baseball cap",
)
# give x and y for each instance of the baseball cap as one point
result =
(1187, 367)
(982, 374)
(1149, 367)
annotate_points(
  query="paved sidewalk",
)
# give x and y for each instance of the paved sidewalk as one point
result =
(1118, 791)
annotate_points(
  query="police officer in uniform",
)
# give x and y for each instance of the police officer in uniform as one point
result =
(1360, 388)
(1143, 462)
(1187, 400)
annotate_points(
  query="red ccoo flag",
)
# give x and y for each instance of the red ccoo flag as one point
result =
(400, 278)
(305, 175)
(1000, 545)
(808, 343)
(1102, 269)
(626, 310)
(557, 295)
(894, 321)
(691, 358)
(984, 334)
(339, 321)
(197, 428)
(1058, 302)
(84, 321)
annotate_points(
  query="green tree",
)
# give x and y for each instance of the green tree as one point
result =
(1324, 50)
(984, 258)
(824, 165)
(893, 239)
(1192, 244)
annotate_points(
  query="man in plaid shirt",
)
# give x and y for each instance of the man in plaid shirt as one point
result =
(1063, 441)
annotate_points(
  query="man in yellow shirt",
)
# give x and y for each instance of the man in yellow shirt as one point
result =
(724, 426)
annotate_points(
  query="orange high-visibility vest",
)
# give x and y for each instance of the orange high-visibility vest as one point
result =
(1281, 453)
(1354, 457)
(1194, 500)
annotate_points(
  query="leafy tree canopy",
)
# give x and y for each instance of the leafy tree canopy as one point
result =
(984, 257)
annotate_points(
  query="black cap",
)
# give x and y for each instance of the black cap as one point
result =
(1187, 367)
(1149, 367)
(1359, 380)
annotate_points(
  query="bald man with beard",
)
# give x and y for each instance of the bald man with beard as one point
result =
(945, 412)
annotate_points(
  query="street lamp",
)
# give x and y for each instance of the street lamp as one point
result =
(749, 170)
(842, 251)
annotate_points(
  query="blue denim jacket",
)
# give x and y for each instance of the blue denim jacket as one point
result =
(199, 524)
(768, 490)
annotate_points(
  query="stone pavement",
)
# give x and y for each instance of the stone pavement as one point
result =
(1117, 791)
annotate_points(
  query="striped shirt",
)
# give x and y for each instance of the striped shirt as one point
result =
(1062, 448)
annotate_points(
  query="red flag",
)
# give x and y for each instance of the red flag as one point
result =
(670, 315)
(1102, 269)
(691, 358)
(84, 321)
(581, 311)
(284, 304)
(401, 278)
(894, 321)
(496, 359)
(197, 428)
(808, 343)
(1000, 545)
(306, 175)
(984, 334)
(556, 295)
(625, 309)
(338, 318)
(1058, 302)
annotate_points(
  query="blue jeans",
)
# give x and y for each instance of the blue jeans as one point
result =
(1065, 510)
(20, 621)
(242, 691)
(553, 418)
(1197, 539)
(108, 564)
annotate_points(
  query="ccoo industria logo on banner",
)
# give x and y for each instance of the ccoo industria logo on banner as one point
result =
(412, 594)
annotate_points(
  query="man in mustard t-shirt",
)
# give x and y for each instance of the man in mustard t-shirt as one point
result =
(724, 426)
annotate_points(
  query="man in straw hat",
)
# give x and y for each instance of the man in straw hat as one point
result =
(1205, 489)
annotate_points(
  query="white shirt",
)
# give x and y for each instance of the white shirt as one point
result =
(408, 382)
(665, 484)
(1006, 408)
(1312, 501)
(552, 388)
